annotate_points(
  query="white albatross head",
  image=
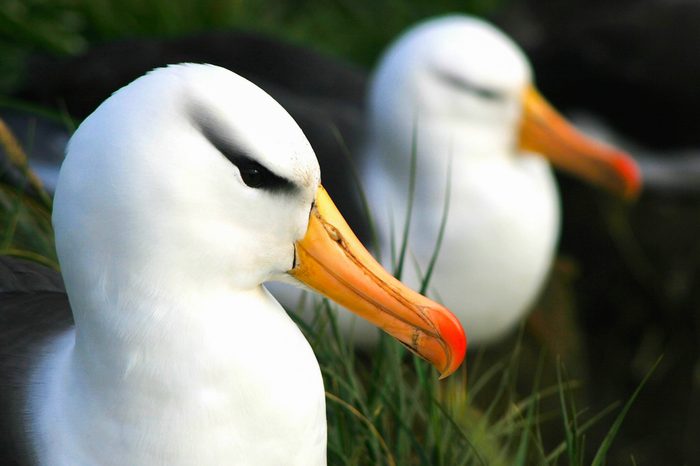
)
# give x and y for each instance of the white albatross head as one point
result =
(466, 88)
(192, 171)
(455, 74)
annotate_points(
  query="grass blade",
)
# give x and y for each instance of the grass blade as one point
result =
(409, 208)
(441, 232)
(17, 157)
(599, 458)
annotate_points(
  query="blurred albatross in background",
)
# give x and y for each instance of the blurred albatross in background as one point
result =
(180, 195)
(460, 93)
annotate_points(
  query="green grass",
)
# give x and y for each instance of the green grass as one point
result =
(388, 407)
(25, 220)
(25, 228)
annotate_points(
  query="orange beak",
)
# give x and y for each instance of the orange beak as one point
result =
(331, 260)
(545, 131)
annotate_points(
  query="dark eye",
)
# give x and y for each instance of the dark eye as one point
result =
(256, 176)
(252, 176)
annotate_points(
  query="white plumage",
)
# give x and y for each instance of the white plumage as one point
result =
(163, 257)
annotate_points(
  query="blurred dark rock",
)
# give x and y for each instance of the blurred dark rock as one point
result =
(79, 84)
(635, 63)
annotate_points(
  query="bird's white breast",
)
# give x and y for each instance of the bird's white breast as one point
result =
(499, 240)
(206, 390)
(498, 244)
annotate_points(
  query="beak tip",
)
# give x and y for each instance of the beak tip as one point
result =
(454, 336)
(631, 176)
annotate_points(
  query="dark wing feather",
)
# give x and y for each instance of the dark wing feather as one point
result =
(33, 308)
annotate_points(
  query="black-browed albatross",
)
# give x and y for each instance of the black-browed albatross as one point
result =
(179, 196)
(459, 94)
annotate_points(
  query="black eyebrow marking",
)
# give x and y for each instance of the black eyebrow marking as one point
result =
(470, 87)
(253, 173)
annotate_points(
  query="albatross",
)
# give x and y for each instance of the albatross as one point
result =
(458, 93)
(179, 197)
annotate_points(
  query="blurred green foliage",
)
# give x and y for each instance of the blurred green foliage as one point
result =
(356, 30)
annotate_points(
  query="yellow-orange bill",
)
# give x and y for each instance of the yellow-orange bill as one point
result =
(331, 260)
(545, 131)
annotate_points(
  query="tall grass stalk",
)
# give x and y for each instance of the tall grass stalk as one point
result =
(25, 220)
